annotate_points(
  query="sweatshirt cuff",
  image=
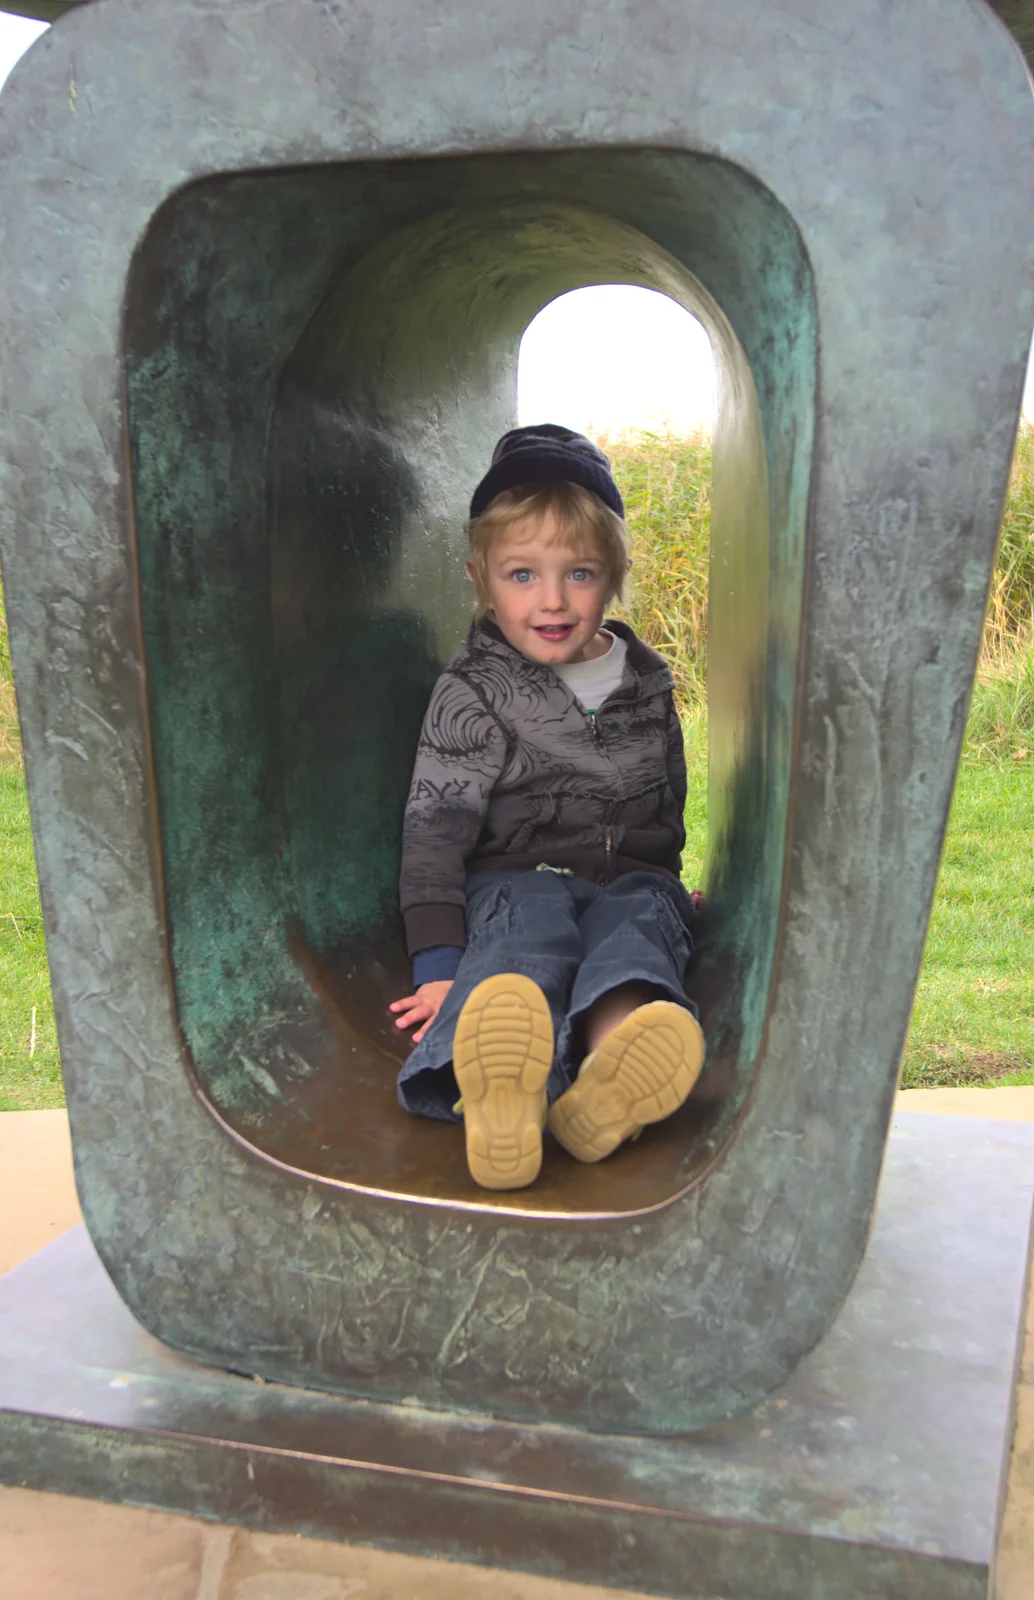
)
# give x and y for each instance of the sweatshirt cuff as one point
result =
(428, 925)
(439, 963)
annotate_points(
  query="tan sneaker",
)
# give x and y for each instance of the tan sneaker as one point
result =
(641, 1073)
(501, 1054)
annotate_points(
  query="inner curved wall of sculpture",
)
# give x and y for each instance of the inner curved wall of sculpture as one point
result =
(273, 681)
(260, 326)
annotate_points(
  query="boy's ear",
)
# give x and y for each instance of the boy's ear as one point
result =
(470, 571)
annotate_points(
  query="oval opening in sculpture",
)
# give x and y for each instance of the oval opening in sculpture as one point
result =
(318, 363)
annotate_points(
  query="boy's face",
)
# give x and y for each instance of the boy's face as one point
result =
(547, 596)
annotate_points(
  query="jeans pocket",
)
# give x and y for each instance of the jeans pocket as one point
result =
(490, 912)
(672, 924)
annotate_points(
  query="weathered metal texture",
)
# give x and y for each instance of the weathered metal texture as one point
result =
(262, 260)
(876, 1473)
(1018, 15)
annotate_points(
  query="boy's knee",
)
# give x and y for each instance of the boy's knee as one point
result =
(656, 907)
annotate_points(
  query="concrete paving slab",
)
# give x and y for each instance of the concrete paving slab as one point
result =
(53, 1547)
(270, 1567)
(1015, 1573)
(38, 1201)
(999, 1105)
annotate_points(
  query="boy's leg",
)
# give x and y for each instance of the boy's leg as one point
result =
(521, 922)
(611, 1009)
(630, 1016)
(635, 946)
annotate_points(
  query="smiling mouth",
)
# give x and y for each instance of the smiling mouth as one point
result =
(553, 632)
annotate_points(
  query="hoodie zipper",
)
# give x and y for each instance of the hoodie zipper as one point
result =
(608, 832)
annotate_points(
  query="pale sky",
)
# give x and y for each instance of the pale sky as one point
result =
(16, 35)
(604, 360)
(613, 358)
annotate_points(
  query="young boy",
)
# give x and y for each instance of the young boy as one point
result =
(540, 883)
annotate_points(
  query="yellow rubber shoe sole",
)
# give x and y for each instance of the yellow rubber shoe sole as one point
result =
(641, 1073)
(502, 1052)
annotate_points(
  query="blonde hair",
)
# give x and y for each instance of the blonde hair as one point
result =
(576, 511)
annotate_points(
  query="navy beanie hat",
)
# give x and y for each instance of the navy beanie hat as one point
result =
(547, 453)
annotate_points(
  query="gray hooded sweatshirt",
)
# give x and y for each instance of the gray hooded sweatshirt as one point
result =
(511, 772)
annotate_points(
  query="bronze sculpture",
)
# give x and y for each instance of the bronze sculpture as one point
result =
(219, 300)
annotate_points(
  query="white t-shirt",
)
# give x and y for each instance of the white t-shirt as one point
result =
(592, 681)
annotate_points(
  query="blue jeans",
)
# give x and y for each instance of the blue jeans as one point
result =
(577, 940)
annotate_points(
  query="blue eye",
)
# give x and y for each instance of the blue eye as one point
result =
(582, 575)
(521, 575)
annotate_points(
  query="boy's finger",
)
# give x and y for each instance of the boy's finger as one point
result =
(415, 1013)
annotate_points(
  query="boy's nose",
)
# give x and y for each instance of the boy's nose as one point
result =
(552, 597)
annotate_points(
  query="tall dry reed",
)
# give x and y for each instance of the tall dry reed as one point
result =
(1010, 607)
(666, 485)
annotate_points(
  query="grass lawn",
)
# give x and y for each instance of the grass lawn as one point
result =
(973, 1020)
(30, 1074)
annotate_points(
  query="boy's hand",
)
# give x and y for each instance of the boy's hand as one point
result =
(421, 1007)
